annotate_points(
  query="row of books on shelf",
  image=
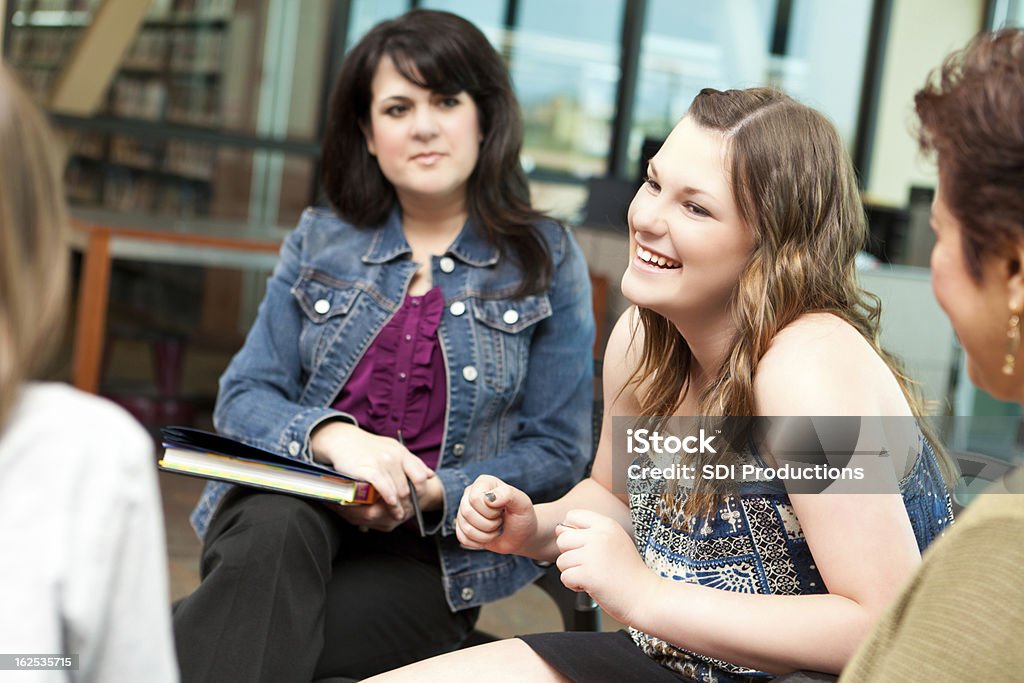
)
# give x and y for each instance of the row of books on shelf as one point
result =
(177, 9)
(180, 52)
(123, 189)
(148, 100)
(184, 50)
(189, 160)
(41, 47)
(158, 9)
(53, 5)
(192, 103)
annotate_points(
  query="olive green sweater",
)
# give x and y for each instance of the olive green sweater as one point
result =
(961, 617)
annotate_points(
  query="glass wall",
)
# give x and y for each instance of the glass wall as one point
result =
(257, 71)
(488, 15)
(566, 62)
(812, 50)
(1006, 13)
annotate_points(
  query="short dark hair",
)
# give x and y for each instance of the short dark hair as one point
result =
(972, 115)
(446, 54)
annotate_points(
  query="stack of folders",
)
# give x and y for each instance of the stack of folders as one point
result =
(212, 456)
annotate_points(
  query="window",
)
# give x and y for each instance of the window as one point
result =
(365, 14)
(488, 15)
(812, 50)
(1006, 14)
(564, 62)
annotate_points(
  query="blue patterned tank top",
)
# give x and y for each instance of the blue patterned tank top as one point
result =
(753, 544)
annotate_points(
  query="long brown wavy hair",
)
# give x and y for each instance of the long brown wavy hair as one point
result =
(795, 188)
(33, 241)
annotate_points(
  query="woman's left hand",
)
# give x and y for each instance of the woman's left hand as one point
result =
(598, 556)
(380, 516)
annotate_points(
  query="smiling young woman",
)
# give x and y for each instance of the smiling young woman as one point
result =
(743, 240)
(685, 214)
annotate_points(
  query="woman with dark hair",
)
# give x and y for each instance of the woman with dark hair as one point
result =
(743, 241)
(972, 117)
(430, 328)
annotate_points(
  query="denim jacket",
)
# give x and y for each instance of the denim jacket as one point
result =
(520, 374)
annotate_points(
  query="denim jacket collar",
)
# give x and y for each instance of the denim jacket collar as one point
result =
(389, 242)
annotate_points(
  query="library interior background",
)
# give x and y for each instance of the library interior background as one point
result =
(191, 130)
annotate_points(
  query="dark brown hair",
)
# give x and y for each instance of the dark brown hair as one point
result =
(448, 55)
(972, 116)
(33, 241)
(796, 190)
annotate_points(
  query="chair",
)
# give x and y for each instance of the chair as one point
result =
(977, 472)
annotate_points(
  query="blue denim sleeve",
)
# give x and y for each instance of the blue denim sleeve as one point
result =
(552, 445)
(259, 398)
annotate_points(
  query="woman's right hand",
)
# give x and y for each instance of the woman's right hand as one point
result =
(495, 516)
(379, 460)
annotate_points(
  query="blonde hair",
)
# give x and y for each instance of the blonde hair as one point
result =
(33, 240)
(795, 188)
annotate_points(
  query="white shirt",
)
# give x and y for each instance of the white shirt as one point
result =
(82, 554)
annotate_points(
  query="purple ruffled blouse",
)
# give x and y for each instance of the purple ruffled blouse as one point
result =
(399, 384)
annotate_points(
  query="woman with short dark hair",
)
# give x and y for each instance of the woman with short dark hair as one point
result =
(429, 328)
(961, 617)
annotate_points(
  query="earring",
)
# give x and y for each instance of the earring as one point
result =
(1012, 344)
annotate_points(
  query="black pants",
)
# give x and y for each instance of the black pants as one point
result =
(291, 592)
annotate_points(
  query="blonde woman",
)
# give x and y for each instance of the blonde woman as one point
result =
(743, 241)
(83, 580)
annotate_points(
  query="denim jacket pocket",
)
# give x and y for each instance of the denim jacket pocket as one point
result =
(505, 330)
(325, 303)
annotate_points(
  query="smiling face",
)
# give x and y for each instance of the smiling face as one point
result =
(426, 143)
(978, 309)
(688, 244)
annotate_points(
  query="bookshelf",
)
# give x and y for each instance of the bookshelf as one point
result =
(171, 75)
(212, 118)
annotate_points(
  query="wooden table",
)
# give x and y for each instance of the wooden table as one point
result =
(101, 242)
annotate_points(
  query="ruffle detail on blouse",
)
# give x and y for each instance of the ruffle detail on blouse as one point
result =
(384, 381)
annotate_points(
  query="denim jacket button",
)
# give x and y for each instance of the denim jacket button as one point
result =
(458, 449)
(458, 308)
(447, 264)
(294, 447)
(511, 316)
(322, 306)
(467, 594)
(469, 373)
